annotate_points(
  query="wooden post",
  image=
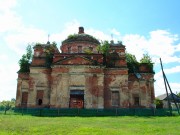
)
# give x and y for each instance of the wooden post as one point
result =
(166, 88)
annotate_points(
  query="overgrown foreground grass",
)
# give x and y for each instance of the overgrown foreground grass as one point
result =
(124, 125)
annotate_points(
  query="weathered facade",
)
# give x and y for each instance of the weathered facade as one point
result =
(81, 77)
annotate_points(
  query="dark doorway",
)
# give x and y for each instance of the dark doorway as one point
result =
(39, 101)
(39, 97)
(76, 99)
(136, 101)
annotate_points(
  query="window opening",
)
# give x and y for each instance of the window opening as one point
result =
(69, 49)
(136, 101)
(115, 98)
(79, 49)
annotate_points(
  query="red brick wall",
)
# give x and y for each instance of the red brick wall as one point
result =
(74, 46)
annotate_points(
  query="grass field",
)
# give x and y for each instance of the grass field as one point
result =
(125, 125)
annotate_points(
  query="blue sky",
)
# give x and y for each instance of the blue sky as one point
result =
(144, 26)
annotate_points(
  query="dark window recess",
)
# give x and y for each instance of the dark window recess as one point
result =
(115, 98)
(136, 101)
(69, 49)
(79, 49)
(39, 97)
(39, 101)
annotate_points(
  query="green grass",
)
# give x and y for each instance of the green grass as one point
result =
(30, 125)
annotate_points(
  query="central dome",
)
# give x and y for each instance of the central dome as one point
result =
(81, 36)
(80, 43)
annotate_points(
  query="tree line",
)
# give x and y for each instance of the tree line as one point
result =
(6, 105)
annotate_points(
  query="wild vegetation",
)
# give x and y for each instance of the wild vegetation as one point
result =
(158, 103)
(49, 51)
(133, 64)
(26, 59)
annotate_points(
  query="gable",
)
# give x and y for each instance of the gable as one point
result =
(75, 60)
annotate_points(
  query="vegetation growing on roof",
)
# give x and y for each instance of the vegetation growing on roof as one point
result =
(146, 59)
(80, 37)
(24, 62)
(38, 44)
(49, 51)
(133, 65)
(104, 49)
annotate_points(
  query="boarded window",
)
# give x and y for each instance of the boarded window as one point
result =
(136, 101)
(24, 98)
(79, 49)
(39, 97)
(115, 98)
(76, 99)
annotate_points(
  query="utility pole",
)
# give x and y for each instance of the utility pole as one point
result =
(169, 105)
(168, 98)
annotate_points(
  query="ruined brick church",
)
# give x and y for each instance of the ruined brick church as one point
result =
(79, 76)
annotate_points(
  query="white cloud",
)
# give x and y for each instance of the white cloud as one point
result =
(101, 36)
(135, 44)
(172, 70)
(160, 87)
(6, 5)
(3, 57)
(160, 43)
(177, 47)
(159, 84)
(115, 32)
(9, 19)
(69, 28)
(8, 84)
(18, 41)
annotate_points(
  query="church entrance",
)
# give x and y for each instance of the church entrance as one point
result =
(76, 99)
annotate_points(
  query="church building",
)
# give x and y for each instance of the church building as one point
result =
(80, 76)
